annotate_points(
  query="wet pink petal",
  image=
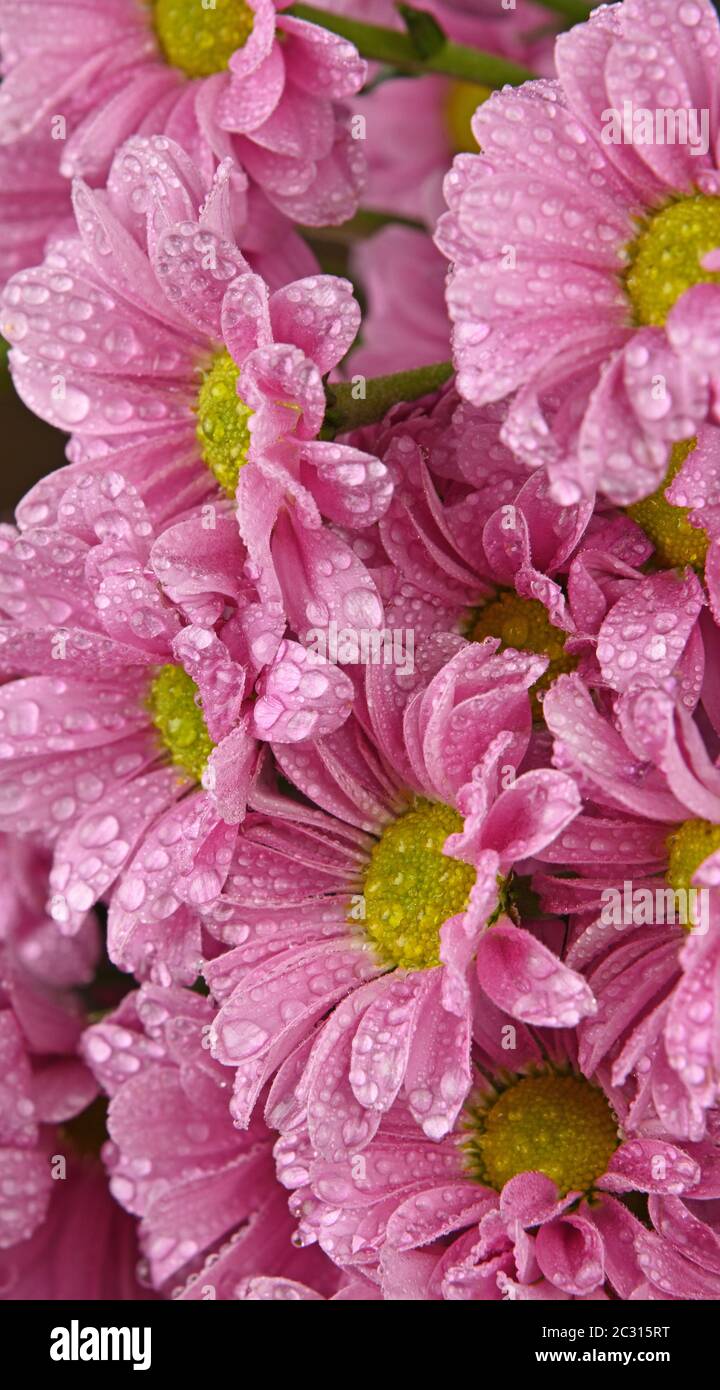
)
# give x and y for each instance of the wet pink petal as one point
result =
(523, 977)
(272, 1008)
(650, 1165)
(301, 694)
(194, 267)
(531, 1198)
(328, 323)
(438, 1075)
(341, 1120)
(350, 487)
(435, 1212)
(528, 814)
(645, 633)
(569, 1251)
(382, 1043)
(691, 1023)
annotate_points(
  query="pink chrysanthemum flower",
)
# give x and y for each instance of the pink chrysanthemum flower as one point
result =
(231, 79)
(651, 820)
(582, 245)
(531, 1196)
(44, 1083)
(150, 337)
(138, 657)
(478, 546)
(396, 884)
(212, 1213)
(472, 543)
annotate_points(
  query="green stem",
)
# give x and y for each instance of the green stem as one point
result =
(397, 49)
(345, 412)
(574, 10)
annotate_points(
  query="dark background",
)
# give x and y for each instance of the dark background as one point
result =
(28, 447)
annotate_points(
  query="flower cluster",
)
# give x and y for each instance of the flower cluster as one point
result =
(359, 708)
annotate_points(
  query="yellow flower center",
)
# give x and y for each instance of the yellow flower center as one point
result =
(665, 256)
(411, 887)
(222, 429)
(200, 36)
(178, 718)
(688, 847)
(558, 1125)
(676, 540)
(461, 103)
(523, 623)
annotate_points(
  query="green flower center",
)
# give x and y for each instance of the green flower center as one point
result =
(665, 257)
(558, 1125)
(461, 103)
(223, 431)
(411, 887)
(688, 847)
(676, 540)
(200, 38)
(176, 714)
(523, 623)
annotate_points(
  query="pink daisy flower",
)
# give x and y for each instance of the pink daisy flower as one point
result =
(391, 890)
(149, 335)
(651, 819)
(211, 1212)
(583, 278)
(229, 80)
(531, 1195)
(130, 738)
(44, 1083)
(184, 368)
(473, 543)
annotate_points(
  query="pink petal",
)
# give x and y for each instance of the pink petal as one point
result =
(274, 1007)
(350, 487)
(194, 267)
(26, 1175)
(301, 695)
(531, 1199)
(525, 979)
(245, 316)
(529, 814)
(436, 1212)
(439, 1073)
(321, 61)
(320, 315)
(569, 1251)
(323, 582)
(667, 1270)
(92, 853)
(382, 1042)
(650, 1165)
